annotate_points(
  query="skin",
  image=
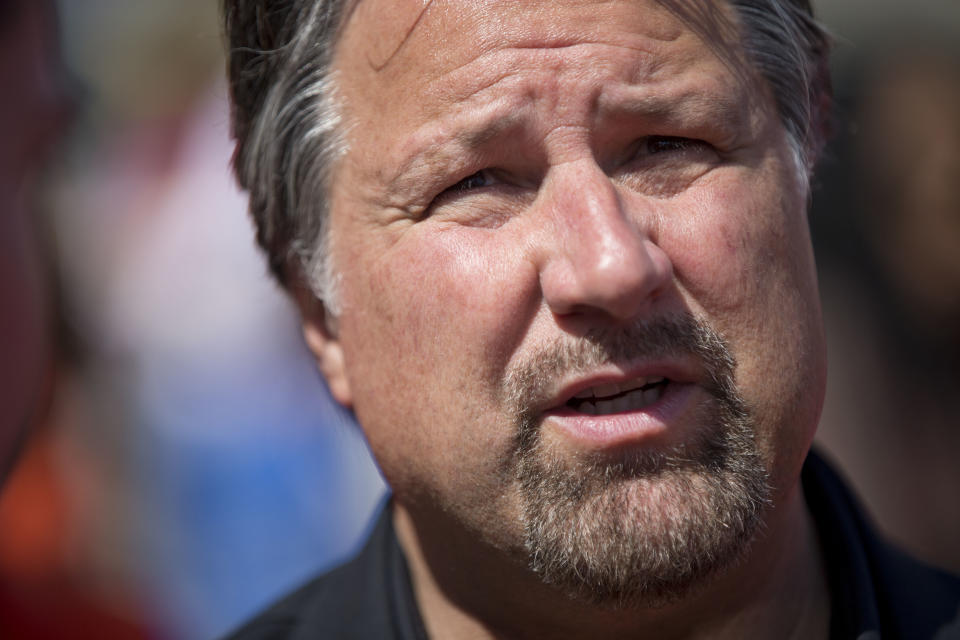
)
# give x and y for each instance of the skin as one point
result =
(582, 220)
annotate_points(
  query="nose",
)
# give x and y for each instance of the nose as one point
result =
(599, 258)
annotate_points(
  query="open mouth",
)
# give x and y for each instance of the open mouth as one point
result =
(619, 397)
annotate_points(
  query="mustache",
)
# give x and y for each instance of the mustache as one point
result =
(531, 382)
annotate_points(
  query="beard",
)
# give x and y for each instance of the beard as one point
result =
(645, 527)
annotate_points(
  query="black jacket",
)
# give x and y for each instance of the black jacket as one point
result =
(876, 591)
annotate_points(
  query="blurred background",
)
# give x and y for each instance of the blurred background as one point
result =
(191, 466)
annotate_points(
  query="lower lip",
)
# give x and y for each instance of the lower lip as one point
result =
(651, 425)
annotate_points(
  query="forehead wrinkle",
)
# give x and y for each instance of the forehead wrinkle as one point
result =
(657, 103)
(718, 26)
(464, 82)
(381, 52)
(444, 139)
(441, 18)
(485, 123)
(545, 29)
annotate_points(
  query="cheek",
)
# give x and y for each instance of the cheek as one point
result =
(741, 250)
(714, 253)
(429, 324)
(443, 296)
(749, 270)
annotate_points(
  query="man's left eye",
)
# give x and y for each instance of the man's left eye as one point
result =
(663, 166)
(667, 144)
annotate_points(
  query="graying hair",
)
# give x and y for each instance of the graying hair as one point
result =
(287, 125)
(791, 50)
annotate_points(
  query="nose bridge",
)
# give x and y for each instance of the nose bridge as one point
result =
(586, 209)
(599, 256)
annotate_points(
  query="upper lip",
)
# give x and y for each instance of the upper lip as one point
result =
(683, 370)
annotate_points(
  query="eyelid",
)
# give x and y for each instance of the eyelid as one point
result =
(674, 143)
(454, 189)
(459, 186)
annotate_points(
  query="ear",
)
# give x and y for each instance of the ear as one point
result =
(321, 335)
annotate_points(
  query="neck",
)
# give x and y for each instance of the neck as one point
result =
(779, 590)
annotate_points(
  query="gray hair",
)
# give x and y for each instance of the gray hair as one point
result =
(288, 128)
(791, 51)
(286, 123)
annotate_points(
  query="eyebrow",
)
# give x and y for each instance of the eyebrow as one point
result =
(444, 141)
(447, 141)
(687, 102)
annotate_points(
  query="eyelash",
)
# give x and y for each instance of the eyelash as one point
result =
(671, 143)
(466, 183)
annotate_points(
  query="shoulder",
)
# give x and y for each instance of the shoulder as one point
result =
(915, 599)
(326, 600)
(346, 602)
(874, 585)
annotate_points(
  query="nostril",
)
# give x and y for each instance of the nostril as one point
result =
(619, 284)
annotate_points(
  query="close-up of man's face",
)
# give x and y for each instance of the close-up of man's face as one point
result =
(577, 314)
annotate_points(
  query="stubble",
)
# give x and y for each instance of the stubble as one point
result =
(648, 526)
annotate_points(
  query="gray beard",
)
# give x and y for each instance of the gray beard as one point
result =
(647, 527)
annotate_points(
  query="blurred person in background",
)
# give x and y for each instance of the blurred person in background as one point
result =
(33, 113)
(192, 429)
(37, 105)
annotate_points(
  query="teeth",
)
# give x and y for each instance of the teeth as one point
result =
(614, 389)
(605, 406)
(606, 390)
(631, 401)
(622, 403)
(652, 395)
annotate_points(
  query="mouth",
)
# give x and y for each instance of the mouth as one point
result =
(619, 397)
(654, 405)
(649, 409)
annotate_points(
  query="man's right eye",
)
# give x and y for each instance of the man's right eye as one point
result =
(476, 180)
(485, 198)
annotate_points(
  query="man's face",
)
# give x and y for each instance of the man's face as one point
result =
(544, 208)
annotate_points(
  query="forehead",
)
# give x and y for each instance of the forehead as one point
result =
(430, 30)
(390, 47)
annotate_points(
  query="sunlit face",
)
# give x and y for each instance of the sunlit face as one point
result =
(527, 179)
